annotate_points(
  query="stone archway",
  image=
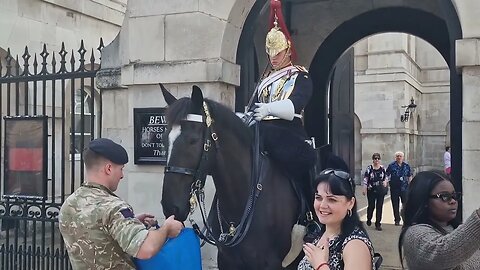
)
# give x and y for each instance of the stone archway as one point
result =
(367, 24)
(337, 26)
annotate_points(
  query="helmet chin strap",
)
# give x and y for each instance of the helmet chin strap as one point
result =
(286, 61)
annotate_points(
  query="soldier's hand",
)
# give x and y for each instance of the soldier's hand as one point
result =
(173, 226)
(143, 216)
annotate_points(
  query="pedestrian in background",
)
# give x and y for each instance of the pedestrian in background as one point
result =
(375, 187)
(399, 174)
(447, 161)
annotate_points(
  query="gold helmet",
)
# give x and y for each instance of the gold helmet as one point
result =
(278, 38)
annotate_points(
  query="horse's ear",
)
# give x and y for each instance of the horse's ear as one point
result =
(197, 100)
(169, 98)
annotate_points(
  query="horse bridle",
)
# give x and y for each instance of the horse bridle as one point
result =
(200, 176)
(200, 173)
(235, 234)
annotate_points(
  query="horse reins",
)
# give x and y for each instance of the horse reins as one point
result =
(235, 234)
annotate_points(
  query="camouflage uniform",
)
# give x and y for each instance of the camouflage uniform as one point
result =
(99, 229)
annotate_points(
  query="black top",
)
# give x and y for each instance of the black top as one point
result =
(374, 175)
(336, 247)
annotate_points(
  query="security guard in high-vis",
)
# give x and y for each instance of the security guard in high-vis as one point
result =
(99, 229)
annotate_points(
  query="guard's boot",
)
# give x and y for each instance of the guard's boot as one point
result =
(298, 232)
(301, 233)
(302, 187)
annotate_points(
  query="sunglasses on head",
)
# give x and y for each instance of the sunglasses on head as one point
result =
(338, 173)
(447, 197)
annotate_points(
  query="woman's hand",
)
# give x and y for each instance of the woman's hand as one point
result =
(317, 255)
(364, 190)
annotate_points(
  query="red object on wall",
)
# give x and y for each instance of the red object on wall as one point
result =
(25, 159)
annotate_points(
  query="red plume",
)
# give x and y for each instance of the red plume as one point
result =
(276, 9)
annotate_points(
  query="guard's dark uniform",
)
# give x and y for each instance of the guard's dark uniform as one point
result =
(284, 140)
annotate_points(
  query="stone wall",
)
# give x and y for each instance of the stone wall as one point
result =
(187, 42)
(390, 69)
(33, 23)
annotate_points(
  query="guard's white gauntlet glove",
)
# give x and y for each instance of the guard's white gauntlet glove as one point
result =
(283, 109)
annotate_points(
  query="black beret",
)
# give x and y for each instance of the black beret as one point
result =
(109, 150)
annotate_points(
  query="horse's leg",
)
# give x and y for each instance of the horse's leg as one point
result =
(227, 261)
(221, 263)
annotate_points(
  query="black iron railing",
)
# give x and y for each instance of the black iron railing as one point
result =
(64, 93)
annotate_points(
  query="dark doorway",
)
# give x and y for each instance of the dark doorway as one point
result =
(341, 109)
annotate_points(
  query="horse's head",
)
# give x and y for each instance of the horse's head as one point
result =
(187, 136)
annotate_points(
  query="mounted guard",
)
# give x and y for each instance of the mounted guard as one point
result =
(258, 203)
(281, 97)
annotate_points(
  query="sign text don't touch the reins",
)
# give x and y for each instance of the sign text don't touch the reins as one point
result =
(150, 127)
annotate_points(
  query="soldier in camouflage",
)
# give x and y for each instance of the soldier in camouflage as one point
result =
(99, 229)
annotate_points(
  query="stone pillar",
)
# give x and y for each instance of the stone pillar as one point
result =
(468, 61)
(177, 43)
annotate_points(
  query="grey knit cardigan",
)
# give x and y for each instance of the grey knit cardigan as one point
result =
(427, 249)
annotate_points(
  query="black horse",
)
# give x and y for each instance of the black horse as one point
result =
(223, 149)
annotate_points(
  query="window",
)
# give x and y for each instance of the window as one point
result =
(82, 129)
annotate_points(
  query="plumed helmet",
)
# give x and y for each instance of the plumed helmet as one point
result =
(278, 38)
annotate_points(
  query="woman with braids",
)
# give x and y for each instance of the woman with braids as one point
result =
(431, 238)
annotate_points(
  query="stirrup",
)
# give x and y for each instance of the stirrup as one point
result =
(298, 232)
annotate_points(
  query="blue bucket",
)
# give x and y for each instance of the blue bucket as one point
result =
(179, 253)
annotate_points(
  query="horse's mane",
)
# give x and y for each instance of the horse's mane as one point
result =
(223, 118)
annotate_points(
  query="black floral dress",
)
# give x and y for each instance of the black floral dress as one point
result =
(335, 260)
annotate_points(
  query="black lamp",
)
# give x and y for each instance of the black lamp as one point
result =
(409, 109)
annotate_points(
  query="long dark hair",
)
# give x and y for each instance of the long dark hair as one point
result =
(416, 210)
(342, 187)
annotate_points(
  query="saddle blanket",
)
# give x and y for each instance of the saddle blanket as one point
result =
(179, 253)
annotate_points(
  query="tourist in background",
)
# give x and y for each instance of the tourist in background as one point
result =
(375, 187)
(399, 174)
(447, 161)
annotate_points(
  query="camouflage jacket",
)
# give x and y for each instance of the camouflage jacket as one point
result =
(99, 229)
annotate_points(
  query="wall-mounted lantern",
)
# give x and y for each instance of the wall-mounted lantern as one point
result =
(409, 110)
